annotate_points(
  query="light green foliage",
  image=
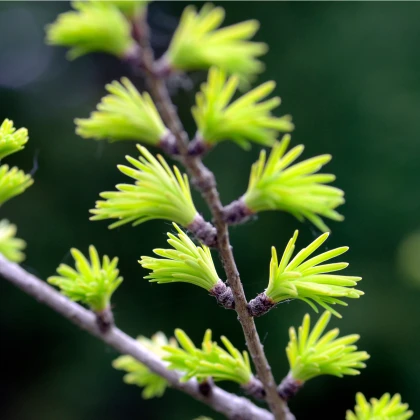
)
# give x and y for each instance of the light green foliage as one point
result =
(138, 374)
(186, 262)
(94, 26)
(297, 189)
(130, 8)
(91, 282)
(158, 193)
(12, 182)
(125, 114)
(307, 279)
(10, 246)
(386, 408)
(11, 140)
(311, 354)
(247, 119)
(211, 361)
(199, 44)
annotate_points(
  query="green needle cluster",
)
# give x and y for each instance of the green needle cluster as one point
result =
(386, 408)
(13, 182)
(186, 262)
(93, 26)
(11, 140)
(158, 193)
(90, 282)
(124, 114)
(307, 279)
(10, 246)
(209, 361)
(198, 43)
(140, 375)
(245, 120)
(312, 353)
(130, 8)
(276, 184)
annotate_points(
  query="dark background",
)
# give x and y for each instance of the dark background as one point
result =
(349, 73)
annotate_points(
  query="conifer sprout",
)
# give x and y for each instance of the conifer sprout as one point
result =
(245, 120)
(12, 182)
(130, 8)
(158, 193)
(139, 374)
(187, 263)
(312, 353)
(212, 362)
(125, 114)
(386, 408)
(91, 282)
(306, 279)
(276, 184)
(11, 140)
(10, 246)
(93, 26)
(198, 43)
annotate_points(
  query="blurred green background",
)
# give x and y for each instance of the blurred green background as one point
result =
(349, 73)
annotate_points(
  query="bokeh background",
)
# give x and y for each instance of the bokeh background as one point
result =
(349, 73)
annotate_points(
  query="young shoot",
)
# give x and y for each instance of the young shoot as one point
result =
(245, 120)
(199, 43)
(187, 263)
(387, 407)
(312, 353)
(306, 279)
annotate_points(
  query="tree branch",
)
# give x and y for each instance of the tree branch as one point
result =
(205, 181)
(232, 406)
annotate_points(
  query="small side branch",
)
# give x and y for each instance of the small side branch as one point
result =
(232, 406)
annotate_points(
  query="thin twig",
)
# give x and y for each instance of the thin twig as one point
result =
(205, 181)
(232, 406)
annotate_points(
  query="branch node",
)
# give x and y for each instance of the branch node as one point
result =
(223, 295)
(289, 387)
(255, 388)
(197, 147)
(161, 68)
(204, 231)
(260, 305)
(134, 57)
(169, 145)
(104, 320)
(236, 212)
(206, 387)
